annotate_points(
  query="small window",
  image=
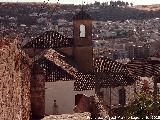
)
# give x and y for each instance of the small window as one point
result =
(82, 31)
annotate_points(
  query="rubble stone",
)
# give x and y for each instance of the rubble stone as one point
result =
(14, 83)
(76, 116)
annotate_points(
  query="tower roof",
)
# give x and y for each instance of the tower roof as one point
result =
(82, 15)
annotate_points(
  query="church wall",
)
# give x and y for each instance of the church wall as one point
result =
(86, 41)
(64, 94)
(67, 50)
(83, 50)
(84, 58)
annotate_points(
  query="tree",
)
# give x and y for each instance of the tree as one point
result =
(142, 106)
(126, 4)
(131, 4)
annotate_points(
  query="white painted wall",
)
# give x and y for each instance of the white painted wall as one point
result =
(64, 94)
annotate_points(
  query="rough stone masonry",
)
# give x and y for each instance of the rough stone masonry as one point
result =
(14, 82)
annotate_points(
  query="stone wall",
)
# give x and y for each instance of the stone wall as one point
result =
(37, 93)
(98, 111)
(14, 82)
(75, 116)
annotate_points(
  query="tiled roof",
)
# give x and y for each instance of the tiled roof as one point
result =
(106, 72)
(49, 39)
(144, 68)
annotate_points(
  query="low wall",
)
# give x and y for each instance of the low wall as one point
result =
(98, 109)
(75, 116)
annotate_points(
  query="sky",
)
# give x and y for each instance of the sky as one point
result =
(135, 2)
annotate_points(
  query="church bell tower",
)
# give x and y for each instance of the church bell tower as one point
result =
(83, 50)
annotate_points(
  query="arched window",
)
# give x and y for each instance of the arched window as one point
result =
(82, 31)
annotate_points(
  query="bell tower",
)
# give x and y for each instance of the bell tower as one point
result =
(83, 50)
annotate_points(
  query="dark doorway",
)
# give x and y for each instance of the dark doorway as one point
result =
(77, 98)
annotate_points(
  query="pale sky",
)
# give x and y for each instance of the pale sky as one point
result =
(135, 2)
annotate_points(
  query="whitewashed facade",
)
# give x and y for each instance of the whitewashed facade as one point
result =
(64, 94)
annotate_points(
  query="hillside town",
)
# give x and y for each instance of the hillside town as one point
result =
(79, 62)
(115, 36)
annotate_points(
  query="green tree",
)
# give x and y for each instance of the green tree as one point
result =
(142, 106)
